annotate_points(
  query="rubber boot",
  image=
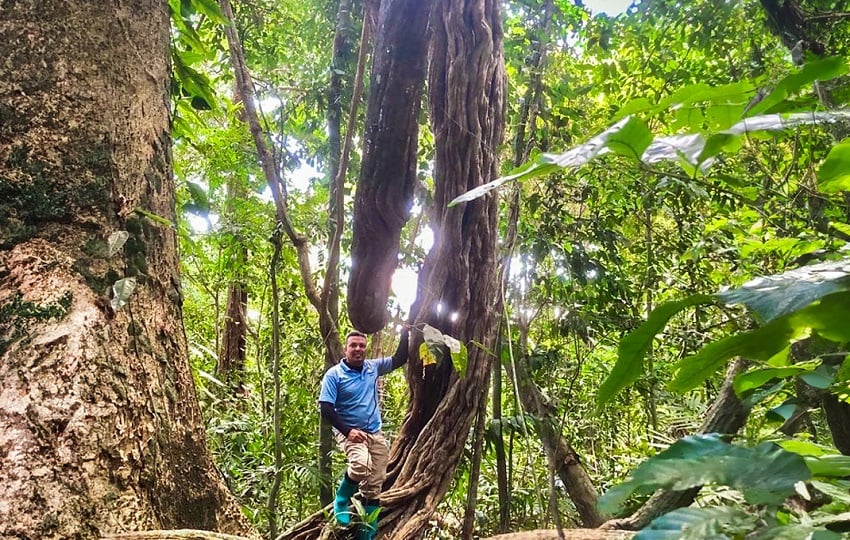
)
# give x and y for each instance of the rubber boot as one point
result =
(368, 529)
(343, 499)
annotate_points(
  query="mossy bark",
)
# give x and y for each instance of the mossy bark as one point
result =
(100, 429)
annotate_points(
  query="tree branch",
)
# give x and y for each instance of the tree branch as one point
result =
(828, 17)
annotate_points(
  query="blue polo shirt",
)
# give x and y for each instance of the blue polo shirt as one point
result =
(354, 394)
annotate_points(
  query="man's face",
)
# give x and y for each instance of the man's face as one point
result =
(355, 350)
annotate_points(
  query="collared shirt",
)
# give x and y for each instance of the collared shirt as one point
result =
(354, 394)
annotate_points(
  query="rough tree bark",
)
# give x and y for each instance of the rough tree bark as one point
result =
(388, 170)
(100, 429)
(231, 358)
(458, 285)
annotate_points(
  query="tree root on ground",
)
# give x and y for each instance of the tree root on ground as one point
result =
(569, 534)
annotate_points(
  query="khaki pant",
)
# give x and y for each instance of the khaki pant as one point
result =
(367, 462)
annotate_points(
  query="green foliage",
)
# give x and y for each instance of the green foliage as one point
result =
(765, 474)
(833, 175)
(699, 524)
(632, 138)
(770, 297)
(435, 345)
(794, 304)
(634, 346)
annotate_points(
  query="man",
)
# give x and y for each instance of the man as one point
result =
(349, 401)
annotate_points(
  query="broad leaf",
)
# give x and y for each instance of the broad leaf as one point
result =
(753, 379)
(692, 149)
(837, 493)
(460, 358)
(796, 531)
(547, 163)
(759, 344)
(769, 122)
(698, 524)
(819, 70)
(631, 140)
(434, 347)
(211, 9)
(834, 173)
(773, 296)
(806, 448)
(826, 316)
(684, 148)
(633, 347)
(426, 355)
(765, 474)
(832, 465)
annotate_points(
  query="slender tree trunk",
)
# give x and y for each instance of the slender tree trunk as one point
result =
(100, 428)
(231, 359)
(559, 452)
(499, 445)
(232, 352)
(474, 472)
(340, 65)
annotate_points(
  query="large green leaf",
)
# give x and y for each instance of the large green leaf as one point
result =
(833, 465)
(834, 173)
(759, 344)
(765, 474)
(770, 297)
(765, 123)
(796, 531)
(756, 378)
(699, 94)
(693, 149)
(547, 163)
(432, 350)
(826, 316)
(818, 70)
(633, 347)
(698, 524)
(631, 140)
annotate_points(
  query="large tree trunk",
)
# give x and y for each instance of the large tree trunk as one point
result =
(458, 284)
(100, 429)
(388, 171)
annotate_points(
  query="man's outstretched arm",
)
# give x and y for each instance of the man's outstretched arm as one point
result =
(400, 354)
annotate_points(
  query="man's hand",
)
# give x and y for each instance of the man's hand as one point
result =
(356, 436)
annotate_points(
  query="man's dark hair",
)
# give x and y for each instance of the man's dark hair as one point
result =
(354, 333)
